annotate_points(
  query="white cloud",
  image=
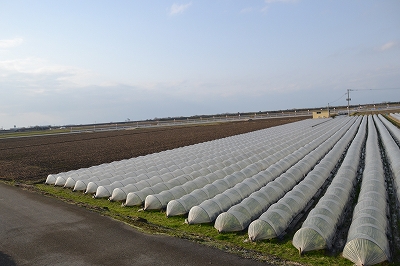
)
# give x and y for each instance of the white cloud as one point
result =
(4, 44)
(30, 65)
(37, 72)
(387, 46)
(177, 9)
(25, 119)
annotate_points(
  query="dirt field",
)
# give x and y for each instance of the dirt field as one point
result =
(31, 159)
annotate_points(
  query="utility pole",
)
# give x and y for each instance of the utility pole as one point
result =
(348, 101)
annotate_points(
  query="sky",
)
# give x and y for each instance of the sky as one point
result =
(97, 61)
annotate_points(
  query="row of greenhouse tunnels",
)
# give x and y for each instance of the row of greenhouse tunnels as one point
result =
(332, 183)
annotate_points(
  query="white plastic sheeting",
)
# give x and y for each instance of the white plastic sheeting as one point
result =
(104, 171)
(81, 184)
(278, 217)
(91, 186)
(61, 179)
(391, 149)
(238, 217)
(194, 181)
(244, 145)
(143, 180)
(209, 210)
(318, 230)
(159, 200)
(395, 115)
(136, 193)
(367, 243)
(187, 173)
(185, 203)
(258, 163)
(155, 201)
(119, 194)
(265, 159)
(168, 161)
(394, 131)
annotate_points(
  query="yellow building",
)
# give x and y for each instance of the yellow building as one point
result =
(320, 114)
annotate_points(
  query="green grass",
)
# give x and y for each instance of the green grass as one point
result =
(392, 120)
(274, 251)
(32, 133)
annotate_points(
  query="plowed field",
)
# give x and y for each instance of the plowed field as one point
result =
(31, 159)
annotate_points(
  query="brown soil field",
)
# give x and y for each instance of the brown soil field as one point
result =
(31, 159)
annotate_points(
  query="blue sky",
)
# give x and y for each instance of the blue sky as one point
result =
(77, 62)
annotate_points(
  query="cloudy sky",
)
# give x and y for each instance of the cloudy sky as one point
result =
(76, 62)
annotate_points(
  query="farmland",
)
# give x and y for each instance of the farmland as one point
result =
(32, 159)
(310, 154)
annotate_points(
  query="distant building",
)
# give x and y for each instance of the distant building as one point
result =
(320, 114)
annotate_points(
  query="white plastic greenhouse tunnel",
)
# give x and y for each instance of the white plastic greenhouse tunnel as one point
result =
(392, 151)
(301, 175)
(217, 158)
(208, 210)
(395, 116)
(318, 230)
(185, 203)
(237, 167)
(276, 219)
(367, 242)
(203, 154)
(238, 217)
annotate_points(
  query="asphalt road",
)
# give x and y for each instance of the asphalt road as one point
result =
(38, 230)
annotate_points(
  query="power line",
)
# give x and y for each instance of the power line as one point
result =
(377, 89)
(338, 98)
